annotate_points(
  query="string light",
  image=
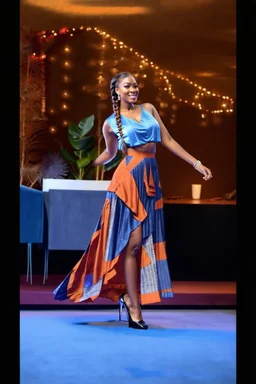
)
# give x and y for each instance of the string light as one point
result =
(66, 95)
(199, 100)
(67, 64)
(53, 129)
(66, 78)
(64, 107)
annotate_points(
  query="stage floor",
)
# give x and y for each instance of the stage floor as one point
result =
(188, 294)
(180, 347)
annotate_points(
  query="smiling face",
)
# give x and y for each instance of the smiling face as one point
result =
(128, 89)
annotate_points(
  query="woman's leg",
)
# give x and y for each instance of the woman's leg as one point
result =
(131, 273)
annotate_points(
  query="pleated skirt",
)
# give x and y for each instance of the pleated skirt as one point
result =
(133, 199)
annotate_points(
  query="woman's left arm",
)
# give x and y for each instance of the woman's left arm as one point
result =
(168, 142)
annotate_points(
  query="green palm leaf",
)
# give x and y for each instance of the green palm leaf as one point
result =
(86, 124)
(86, 150)
(67, 156)
(93, 154)
(81, 163)
(79, 144)
(73, 130)
(85, 145)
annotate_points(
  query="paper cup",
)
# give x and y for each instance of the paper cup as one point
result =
(196, 191)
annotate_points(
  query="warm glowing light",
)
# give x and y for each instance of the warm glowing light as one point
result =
(163, 78)
(76, 8)
(65, 94)
(114, 70)
(66, 78)
(206, 74)
(65, 123)
(52, 129)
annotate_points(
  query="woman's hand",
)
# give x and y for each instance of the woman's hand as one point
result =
(205, 171)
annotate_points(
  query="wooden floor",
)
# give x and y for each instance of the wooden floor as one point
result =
(187, 294)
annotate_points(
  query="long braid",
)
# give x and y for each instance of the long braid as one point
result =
(116, 106)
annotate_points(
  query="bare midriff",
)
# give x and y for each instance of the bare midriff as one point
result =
(148, 147)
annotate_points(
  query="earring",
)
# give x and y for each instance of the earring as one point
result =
(118, 97)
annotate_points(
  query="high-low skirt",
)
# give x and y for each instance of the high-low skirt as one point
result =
(133, 199)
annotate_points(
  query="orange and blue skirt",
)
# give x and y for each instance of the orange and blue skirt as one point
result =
(133, 199)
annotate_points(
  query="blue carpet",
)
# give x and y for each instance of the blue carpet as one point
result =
(74, 347)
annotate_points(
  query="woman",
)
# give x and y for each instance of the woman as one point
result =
(126, 259)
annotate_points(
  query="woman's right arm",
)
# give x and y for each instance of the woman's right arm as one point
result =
(111, 142)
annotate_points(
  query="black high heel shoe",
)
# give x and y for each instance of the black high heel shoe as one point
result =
(132, 324)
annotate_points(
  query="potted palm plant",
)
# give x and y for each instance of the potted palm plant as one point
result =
(86, 148)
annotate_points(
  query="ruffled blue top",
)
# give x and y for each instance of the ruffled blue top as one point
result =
(135, 133)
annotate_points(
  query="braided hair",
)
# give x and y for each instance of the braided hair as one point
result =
(116, 104)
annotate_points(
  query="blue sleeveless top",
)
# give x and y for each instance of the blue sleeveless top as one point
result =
(136, 133)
